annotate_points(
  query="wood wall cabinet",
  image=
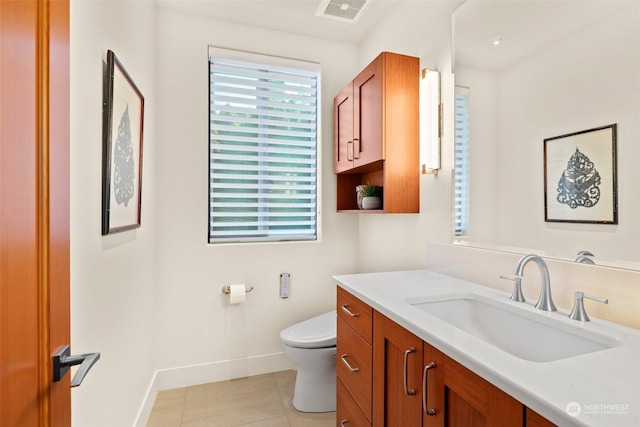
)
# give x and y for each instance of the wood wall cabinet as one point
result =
(377, 132)
(411, 382)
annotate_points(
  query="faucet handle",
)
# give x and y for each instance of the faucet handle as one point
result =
(517, 294)
(578, 312)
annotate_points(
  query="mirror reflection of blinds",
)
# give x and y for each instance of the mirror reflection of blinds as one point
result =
(461, 174)
(262, 151)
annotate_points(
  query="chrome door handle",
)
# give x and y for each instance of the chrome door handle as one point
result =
(424, 390)
(63, 361)
(407, 391)
(344, 360)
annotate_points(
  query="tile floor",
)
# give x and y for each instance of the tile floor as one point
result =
(260, 401)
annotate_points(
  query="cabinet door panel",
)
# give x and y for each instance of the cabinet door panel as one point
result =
(433, 381)
(367, 92)
(460, 413)
(472, 401)
(397, 385)
(343, 129)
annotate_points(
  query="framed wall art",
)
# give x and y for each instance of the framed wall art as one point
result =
(580, 183)
(123, 118)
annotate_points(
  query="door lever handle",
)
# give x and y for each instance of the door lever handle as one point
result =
(63, 361)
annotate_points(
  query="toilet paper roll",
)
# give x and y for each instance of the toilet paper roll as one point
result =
(238, 293)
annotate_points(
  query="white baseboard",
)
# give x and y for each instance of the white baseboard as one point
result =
(185, 376)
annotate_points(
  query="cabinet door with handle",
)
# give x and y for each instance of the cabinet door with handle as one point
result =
(433, 391)
(368, 114)
(343, 131)
(397, 385)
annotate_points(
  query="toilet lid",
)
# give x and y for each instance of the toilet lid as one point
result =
(317, 332)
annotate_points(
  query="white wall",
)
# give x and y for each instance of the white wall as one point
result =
(113, 278)
(196, 326)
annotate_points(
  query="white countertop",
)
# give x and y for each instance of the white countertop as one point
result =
(605, 384)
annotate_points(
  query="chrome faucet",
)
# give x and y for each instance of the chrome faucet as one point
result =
(545, 302)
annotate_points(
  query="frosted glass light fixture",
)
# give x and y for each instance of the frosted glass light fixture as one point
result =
(430, 121)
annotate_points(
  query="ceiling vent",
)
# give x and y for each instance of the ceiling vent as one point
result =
(343, 10)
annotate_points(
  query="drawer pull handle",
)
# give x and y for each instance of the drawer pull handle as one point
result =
(430, 412)
(344, 360)
(343, 423)
(409, 392)
(349, 312)
(356, 148)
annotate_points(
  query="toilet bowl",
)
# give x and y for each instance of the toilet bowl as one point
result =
(311, 345)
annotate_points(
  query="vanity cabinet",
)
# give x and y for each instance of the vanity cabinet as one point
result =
(354, 361)
(376, 134)
(411, 383)
(416, 384)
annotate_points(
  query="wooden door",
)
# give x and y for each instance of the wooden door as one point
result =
(433, 367)
(397, 375)
(34, 210)
(471, 401)
(343, 129)
(368, 114)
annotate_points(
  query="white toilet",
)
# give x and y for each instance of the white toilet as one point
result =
(311, 345)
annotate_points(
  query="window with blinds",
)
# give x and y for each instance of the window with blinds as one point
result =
(461, 166)
(263, 148)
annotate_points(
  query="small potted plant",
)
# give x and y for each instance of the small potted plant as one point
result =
(371, 197)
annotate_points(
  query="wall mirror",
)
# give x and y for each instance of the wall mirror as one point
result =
(533, 70)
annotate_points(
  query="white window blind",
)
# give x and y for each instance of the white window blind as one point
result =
(461, 175)
(263, 150)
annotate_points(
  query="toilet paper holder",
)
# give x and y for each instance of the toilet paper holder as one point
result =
(226, 289)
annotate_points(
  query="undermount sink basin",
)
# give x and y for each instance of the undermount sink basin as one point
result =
(528, 335)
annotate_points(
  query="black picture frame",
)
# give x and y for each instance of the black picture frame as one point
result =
(123, 123)
(580, 177)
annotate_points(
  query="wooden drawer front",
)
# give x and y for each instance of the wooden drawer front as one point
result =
(355, 351)
(348, 414)
(356, 314)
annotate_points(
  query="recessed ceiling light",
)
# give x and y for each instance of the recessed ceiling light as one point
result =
(344, 6)
(496, 41)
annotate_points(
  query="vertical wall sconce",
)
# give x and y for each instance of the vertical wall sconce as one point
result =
(430, 121)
